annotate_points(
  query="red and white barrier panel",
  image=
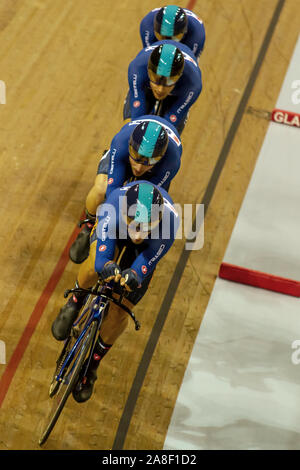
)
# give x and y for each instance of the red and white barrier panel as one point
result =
(285, 117)
(259, 279)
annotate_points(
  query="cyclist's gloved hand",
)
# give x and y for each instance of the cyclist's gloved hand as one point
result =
(129, 280)
(110, 272)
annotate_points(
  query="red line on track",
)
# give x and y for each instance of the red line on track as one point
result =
(35, 317)
(191, 4)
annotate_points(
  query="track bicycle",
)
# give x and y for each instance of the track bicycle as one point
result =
(76, 354)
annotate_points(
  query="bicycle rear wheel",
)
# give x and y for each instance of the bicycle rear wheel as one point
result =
(68, 382)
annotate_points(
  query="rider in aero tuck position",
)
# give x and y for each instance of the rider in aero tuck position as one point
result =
(173, 22)
(164, 79)
(149, 148)
(139, 217)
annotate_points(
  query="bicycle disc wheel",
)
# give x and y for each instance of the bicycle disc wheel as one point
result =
(68, 382)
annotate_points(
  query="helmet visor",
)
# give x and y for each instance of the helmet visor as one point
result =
(134, 227)
(162, 80)
(147, 161)
(144, 227)
(176, 37)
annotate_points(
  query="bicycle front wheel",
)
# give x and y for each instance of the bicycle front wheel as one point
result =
(69, 380)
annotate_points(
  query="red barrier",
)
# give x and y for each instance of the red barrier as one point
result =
(259, 279)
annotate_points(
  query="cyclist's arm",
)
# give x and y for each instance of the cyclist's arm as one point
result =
(137, 96)
(104, 253)
(165, 172)
(195, 39)
(188, 96)
(146, 262)
(157, 248)
(146, 30)
(118, 160)
(106, 231)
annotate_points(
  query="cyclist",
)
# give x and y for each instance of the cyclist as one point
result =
(164, 79)
(149, 148)
(173, 22)
(139, 217)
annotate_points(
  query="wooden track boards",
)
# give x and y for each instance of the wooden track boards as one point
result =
(65, 68)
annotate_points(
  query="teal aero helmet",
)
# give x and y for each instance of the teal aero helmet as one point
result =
(148, 142)
(165, 65)
(143, 206)
(170, 22)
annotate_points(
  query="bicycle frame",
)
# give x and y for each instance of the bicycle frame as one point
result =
(96, 312)
(97, 308)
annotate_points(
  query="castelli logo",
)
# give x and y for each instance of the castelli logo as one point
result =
(102, 247)
(110, 180)
(136, 104)
(144, 269)
(173, 118)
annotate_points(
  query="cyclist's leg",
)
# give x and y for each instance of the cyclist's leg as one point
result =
(113, 324)
(80, 248)
(87, 277)
(96, 195)
(111, 328)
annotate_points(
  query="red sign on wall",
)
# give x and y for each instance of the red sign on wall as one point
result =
(285, 117)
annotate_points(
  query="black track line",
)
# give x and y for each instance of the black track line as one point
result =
(173, 285)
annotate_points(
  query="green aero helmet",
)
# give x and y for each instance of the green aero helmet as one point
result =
(143, 206)
(165, 65)
(170, 22)
(148, 142)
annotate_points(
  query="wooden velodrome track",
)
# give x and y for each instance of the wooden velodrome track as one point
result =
(65, 68)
